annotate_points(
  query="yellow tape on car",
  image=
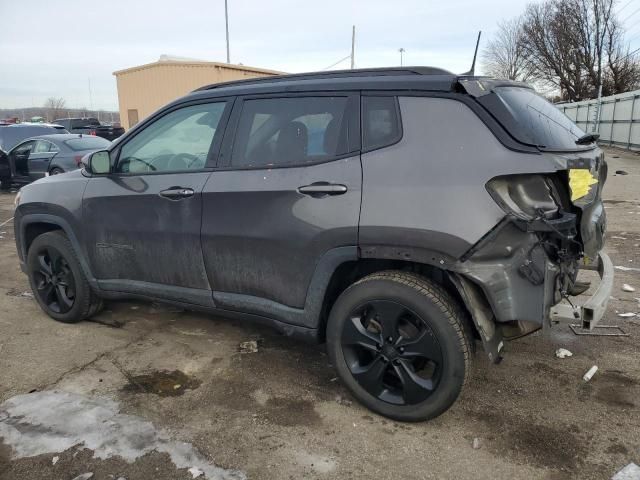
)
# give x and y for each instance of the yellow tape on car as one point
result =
(580, 182)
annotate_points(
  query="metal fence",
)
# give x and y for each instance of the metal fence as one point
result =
(619, 122)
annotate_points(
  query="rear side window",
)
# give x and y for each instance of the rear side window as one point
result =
(79, 123)
(539, 122)
(42, 146)
(290, 131)
(380, 122)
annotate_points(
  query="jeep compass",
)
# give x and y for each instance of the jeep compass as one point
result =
(400, 215)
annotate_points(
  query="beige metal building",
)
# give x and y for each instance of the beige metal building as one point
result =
(144, 89)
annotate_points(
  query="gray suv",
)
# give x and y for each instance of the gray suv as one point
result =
(398, 215)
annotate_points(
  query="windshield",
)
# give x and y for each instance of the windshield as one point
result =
(540, 122)
(87, 143)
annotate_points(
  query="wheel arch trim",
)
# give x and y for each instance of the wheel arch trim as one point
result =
(45, 218)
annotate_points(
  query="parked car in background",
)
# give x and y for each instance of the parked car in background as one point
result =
(5, 171)
(91, 126)
(44, 155)
(12, 134)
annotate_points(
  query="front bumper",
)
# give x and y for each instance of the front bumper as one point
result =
(590, 312)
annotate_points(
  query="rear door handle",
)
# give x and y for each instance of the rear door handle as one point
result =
(321, 189)
(177, 193)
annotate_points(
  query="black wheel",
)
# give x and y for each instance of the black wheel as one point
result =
(56, 171)
(57, 280)
(401, 344)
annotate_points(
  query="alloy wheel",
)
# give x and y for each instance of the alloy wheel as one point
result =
(54, 281)
(392, 353)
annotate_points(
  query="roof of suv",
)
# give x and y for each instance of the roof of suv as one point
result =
(422, 78)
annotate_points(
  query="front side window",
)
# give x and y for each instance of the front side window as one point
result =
(290, 131)
(380, 122)
(24, 150)
(177, 141)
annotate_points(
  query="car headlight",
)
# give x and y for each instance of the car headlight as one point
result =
(525, 196)
(581, 183)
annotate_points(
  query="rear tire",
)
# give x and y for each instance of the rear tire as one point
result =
(58, 281)
(401, 345)
(56, 171)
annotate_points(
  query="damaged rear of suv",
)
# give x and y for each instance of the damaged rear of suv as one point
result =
(396, 214)
(554, 224)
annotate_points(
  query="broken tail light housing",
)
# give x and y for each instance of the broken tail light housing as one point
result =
(526, 197)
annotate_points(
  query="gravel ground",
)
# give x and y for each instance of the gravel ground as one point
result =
(281, 413)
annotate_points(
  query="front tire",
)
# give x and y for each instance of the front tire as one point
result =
(401, 345)
(57, 280)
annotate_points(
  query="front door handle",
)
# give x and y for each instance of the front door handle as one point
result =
(321, 189)
(177, 193)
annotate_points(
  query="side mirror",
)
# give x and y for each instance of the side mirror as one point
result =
(97, 163)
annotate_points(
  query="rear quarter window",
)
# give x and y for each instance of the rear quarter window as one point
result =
(381, 124)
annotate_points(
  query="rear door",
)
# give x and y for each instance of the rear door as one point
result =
(40, 158)
(142, 221)
(286, 192)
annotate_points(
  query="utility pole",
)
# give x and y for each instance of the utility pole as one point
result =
(353, 47)
(597, 125)
(90, 95)
(401, 52)
(226, 23)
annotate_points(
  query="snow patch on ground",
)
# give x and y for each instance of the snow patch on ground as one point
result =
(53, 421)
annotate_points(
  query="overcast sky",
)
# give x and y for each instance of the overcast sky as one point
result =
(53, 48)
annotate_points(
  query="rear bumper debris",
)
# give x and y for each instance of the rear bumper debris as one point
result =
(590, 312)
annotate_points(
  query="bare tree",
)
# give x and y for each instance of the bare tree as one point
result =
(54, 107)
(505, 55)
(577, 46)
(623, 66)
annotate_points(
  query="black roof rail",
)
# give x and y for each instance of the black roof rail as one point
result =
(361, 72)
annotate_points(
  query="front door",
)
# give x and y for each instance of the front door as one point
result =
(287, 192)
(142, 221)
(19, 159)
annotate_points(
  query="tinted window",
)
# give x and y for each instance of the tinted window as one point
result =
(380, 122)
(177, 141)
(79, 123)
(24, 149)
(539, 121)
(285, 131)
(87, 143)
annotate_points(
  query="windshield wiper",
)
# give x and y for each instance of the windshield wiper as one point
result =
(587, 138)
